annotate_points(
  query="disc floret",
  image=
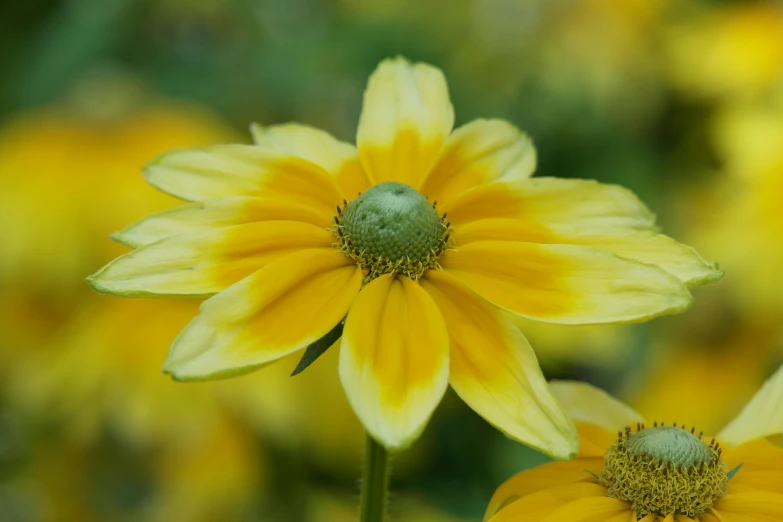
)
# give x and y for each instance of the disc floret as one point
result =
(392, 228)
(664, 470)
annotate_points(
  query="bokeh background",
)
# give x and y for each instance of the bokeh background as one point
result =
(680, 100)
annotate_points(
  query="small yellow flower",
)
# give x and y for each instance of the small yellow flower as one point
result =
(420, 238)
(660, 472)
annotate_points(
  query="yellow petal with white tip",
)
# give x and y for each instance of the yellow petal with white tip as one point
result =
(243, 170)
(565, 284)
(279, 309)
(394, 359)
(216, 213)
(205, 262)
(763, 415)
(338, 158)
(642, 245)
(494, 370)
(405, 119)
(552, 200)
(479, 152)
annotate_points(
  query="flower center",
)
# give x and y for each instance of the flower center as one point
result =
(664, 470)
(392, 228)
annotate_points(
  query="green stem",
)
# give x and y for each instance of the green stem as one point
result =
(375, 485)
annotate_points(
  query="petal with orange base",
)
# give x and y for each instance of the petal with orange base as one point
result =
(205, 262)
(479, 152)
(405, 119)
(282, 308)
(495, 371)
(394, 359)
(338, 158)
(566, 284)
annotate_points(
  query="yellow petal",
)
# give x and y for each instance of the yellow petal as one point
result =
(280, 309)
(639, 245)
(494, 370)
(243, 170)
(594, 440)
(336, 157)
(480, 152)
(394, 359)
(551, 475)
(203, 263)
(405, 119)
(762, 465)
(537, 506)
(750, 506)
(584, 402)
(566, 284)
(552, 200)
(597, 509)
(216, 213)
(761, 417)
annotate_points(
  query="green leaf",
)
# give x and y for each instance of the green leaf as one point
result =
(318, 348)
(734, 471)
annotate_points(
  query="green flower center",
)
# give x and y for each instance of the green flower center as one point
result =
(664, 470)
(392, 228)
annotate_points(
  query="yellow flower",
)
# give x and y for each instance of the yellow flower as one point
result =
(734, 50)
(748, 138)
(53, 194)
(688, 370)
(655, 473)
(421, 236)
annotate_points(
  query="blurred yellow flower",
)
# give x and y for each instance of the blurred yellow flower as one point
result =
(685, 370)
(272, 233)
(742, 220)
(63, 364)
(734, 50)
(654, 473)
(58, 204)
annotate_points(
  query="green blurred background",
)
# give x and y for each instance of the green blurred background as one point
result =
(679, 100)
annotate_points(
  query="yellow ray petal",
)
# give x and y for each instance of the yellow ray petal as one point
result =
(216, 213)
(598, 509)
(584, 402)
(763, 415)
(243, 170)
(594, 440)
(394, 359)
(537, 506)
(281, 308)
(551, 475)
(566, 284)
(405, 119)
(552, 200)
(479, 152)
(640, 245)
(494, 370)
(750, 506)
(202, 263)
(336, 157)
(762, 465)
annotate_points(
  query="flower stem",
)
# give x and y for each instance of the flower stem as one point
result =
(375, 485)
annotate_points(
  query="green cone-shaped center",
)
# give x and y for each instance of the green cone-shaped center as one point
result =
(674, 445)
(392, 221)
